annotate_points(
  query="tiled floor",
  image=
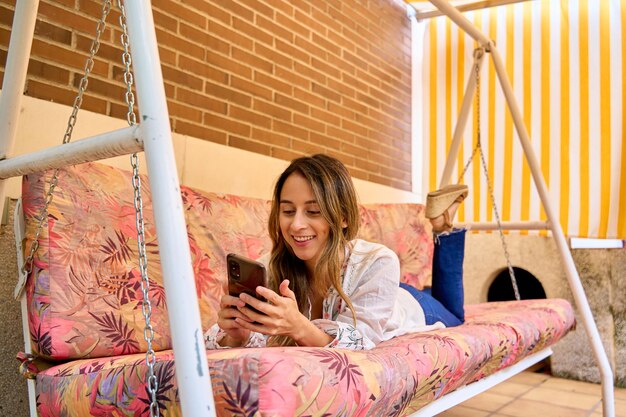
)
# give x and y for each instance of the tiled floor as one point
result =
(538, 395)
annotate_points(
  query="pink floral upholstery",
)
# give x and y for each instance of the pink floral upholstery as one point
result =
(85, 296)
(84, 302)
(396, 378)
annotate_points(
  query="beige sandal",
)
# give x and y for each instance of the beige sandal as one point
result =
(438, 202)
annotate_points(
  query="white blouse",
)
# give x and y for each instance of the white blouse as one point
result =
(370, 278)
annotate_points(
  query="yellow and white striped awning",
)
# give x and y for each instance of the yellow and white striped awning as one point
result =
(565, 60)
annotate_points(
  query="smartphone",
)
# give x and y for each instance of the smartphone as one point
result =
(244, 275)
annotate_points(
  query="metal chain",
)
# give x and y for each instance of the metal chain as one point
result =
(479, 148)
(146, 306)
(67, 137)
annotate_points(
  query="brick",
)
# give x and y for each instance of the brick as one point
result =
(320, 14)
(3, 58)
(250, 87)
(182, 111)
(367, 165)
(248, 145)
(324, 140)
(166, 55)
(201, 69)
(177, 43)
(309, 123)
(58, 14)
(307, 97)
(52, 32)
(323, 42)
(341, 111)
(342, 135)
(293, 26)
(105, 51)
(378, 96)
(238, 10)
(200, 132)
(178, 9)
(229, 125)
(290, 103)
(280, 6)
(227, 64)
(252, 31)
(325, 116)
(302, 14)
(101, 87)
(310, 72)
(354, 150)
(311, 48)
(254, 61)
(273, 56)
(259, 7)
(270, 137)
(66, 57)
(368, 100)
(177, 76)
(371, 145)
(247, 116)
(231, 36)
(291, 130)
(290, 50)
(6, 16)
(200, 101)
(228, 94)
(270, 109)
(201, 37)
(341, 88)
(63, 95)
(357, 173)
(164, 21)
(209, 9)
(307, 147)
(347, 160)
(335, 37)
(357, 106)
(119, 111)
(326, 92)
(356, 128)
(273, 83)
(285, 154)
(94, 9)
(292, 78)
(274, 29)
(48, 72)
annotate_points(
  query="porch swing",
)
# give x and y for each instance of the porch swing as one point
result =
(418, 393)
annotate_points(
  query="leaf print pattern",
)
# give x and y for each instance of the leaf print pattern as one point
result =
(240, 403)
(165, 376)
(42, 340)
(116, 251)
(118, 332)
(340, 363)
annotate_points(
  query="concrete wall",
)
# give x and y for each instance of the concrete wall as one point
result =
(603, 275)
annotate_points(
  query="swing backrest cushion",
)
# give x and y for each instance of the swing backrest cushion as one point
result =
(84, 294)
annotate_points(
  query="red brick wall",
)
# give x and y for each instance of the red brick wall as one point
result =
(276, 77)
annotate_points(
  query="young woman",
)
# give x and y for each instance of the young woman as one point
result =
(328, 288)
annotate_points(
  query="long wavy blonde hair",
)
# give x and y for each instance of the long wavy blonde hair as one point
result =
(334, 193)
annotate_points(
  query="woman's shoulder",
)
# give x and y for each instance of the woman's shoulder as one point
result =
(363, 249)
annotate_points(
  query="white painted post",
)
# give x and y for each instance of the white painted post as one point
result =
(22, 33)
(192, 373)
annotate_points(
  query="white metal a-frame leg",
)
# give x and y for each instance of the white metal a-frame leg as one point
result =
(153, 135)
(608, 403)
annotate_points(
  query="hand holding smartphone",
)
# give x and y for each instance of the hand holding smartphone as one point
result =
(244, 275)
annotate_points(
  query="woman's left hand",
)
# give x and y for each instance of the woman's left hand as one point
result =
(281, 315)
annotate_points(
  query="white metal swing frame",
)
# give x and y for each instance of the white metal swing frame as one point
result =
(153, 136)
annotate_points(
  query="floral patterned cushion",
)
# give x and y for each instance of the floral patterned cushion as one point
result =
(84, 293)
(398, 377)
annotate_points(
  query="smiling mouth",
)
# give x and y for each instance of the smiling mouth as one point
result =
(301, 239)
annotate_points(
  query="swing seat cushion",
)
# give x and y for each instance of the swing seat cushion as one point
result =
(397, 377)
(84, 295)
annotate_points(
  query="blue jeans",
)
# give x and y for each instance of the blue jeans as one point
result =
(446, 302)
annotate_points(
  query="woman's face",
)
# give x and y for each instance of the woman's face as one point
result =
(301, 222)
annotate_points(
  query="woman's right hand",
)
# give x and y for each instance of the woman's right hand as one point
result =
(236, 336)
